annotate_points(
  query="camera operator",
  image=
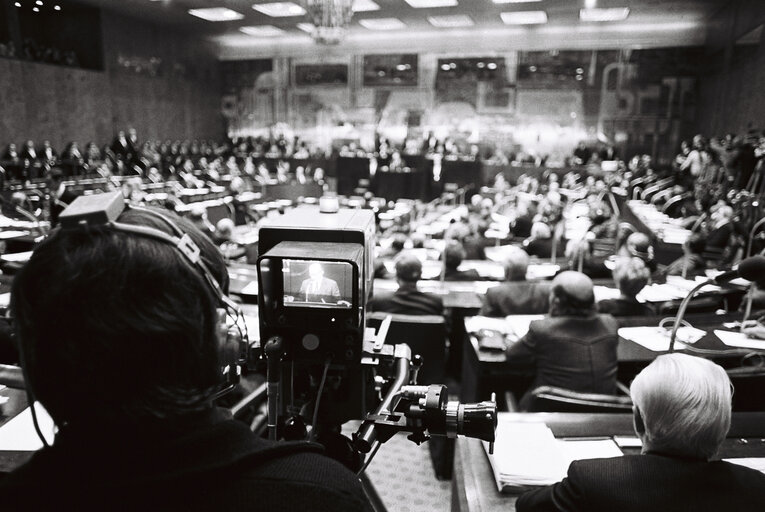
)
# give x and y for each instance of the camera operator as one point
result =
(119, 338)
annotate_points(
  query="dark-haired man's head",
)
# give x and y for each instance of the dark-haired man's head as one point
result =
(454, 253)
(408, 269)
(118, 325)
(572, 294)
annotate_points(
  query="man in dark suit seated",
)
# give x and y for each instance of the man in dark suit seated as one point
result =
(453, 255)
(574, 348)
(630, 275)
(682, 415)
(517, 296)
(691, 263)
(407, 300)
(129, 379)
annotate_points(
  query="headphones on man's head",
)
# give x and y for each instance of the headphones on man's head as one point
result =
(105, 209)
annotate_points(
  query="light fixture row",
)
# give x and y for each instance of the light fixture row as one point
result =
(291, 9)
(36, 5)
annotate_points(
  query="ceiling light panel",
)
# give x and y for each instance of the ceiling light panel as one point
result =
(382, 24)
(427, 4)
(262, 31)
(607, 14)
(216, 14)
(524, 17)
(365, 6)
(451, 21)
(280, 9)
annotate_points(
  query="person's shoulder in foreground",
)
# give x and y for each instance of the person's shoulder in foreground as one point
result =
(129, 375)
(682, 414)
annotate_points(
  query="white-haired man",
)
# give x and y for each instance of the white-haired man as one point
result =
(517, 296)
(318, 288)
(682, 414)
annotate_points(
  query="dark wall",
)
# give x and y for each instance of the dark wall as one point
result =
(731, 92)
(158, 81)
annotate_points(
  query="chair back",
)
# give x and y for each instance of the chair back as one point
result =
(425, 335)
(552, 399)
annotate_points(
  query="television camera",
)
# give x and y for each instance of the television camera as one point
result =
(324, 367)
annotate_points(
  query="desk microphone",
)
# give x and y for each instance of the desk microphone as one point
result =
(750, 269)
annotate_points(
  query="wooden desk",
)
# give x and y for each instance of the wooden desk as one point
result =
(485, 372)
(473, 485)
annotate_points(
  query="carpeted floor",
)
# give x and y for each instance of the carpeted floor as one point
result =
(403, 477)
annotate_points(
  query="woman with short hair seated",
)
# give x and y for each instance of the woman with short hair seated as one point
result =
(630, 275)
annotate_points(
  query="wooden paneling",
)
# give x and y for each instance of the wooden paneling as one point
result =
(41, 101)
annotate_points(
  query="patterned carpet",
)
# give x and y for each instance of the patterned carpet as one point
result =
(403, 477)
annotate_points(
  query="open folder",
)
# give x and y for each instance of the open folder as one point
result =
(527, 455)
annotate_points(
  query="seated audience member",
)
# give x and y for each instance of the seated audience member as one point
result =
(198, 217)
(691, 263)
(398, 241)
(516, 296)
(453, 256)
(129, 380)
(682, 414)
(60, 196)
(638, 245)
(540, 242)
(407, 300)
(574, 348)
(721, 228)
(630, 275)
(580, 258)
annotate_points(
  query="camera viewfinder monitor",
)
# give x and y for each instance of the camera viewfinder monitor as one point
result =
(318, 284)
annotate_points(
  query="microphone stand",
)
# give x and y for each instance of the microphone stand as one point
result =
(753, 232)
(681, 311)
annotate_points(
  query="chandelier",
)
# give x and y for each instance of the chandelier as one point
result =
(330, 19)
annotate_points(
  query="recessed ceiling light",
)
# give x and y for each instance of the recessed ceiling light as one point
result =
(262, 31)
(38, 2)
(365, 6)
(425, 4)
(216, 14)
(280, 9)
(609, 14)
(56, 7)
(524, 17)
(451, 21)
(36, 9)
(382, 23)
(17, 4)
(306, 27)
(515, 1)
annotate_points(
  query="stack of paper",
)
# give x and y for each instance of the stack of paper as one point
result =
(657, 338)
(527, 455)
(739, 340)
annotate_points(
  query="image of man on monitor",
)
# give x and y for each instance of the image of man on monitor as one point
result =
(318, 288)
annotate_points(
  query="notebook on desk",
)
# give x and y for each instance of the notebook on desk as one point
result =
(527, 455)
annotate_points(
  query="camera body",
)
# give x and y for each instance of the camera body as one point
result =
(314, 280)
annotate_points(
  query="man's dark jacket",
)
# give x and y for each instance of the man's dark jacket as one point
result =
(577, 353)
(652, 481)
(206, 461)
(517, 298)
(407, 301)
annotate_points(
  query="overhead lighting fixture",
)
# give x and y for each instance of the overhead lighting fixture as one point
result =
(17, 4)
(56, 7)
(604, 14)
(36, 9)
(262, 31)
(382, 24)
(524, 17)
(365, 6)
(216, 14)
(515, 1)
(280, 9)
(451, 21)
(427, 4)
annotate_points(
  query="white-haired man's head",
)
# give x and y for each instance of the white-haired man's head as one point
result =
(682, 406)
